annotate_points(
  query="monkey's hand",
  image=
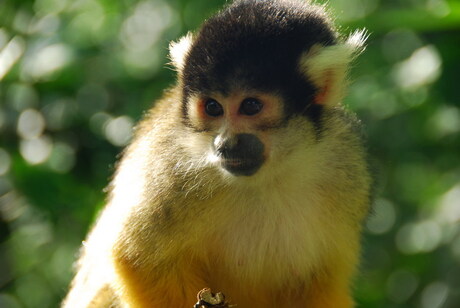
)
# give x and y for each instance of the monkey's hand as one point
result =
(207, 299)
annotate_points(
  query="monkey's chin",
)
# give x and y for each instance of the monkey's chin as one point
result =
(241, 167)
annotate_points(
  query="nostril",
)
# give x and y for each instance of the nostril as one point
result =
(247, 140)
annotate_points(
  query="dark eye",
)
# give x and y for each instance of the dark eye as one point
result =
(251, 106)
(213, 108)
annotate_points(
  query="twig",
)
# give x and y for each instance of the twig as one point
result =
(208, 299)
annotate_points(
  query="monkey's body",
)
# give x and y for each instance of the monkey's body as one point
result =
(181, 218)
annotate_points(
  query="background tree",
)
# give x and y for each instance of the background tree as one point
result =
(76, 75)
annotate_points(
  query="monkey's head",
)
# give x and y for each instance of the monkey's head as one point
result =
(257, 78)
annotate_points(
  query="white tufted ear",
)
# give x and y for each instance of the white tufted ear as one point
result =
(327, 67)
(178, 51)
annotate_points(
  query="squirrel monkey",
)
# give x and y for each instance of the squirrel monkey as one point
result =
(247, 177)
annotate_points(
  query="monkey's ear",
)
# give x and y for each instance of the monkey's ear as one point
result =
(327, 67)
(178, 51)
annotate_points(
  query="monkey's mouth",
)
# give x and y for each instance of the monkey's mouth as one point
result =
(241, 166)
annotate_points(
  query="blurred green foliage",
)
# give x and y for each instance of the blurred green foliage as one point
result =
(75, 75)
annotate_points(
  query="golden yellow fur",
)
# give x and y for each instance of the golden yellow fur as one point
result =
(176, 222)
(282, 239)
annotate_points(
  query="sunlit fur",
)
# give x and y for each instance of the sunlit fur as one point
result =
(327, 67)
(176, 222)
(178, 51)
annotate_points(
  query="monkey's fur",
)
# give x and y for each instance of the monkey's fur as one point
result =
(248, 177)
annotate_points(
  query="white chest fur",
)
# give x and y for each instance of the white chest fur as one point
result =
(273, 233)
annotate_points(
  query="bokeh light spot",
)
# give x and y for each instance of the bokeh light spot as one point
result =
(401, 285)
(448, 208)
(445, 121)
(9, 301)
(434, 295)
(383, 218)
(423, 236)
(5, 161)
(144, 27)
(62, 158)
(119, 130)
(438, 7)
(42, 63)
(10, 54)
(36, 151)
(399, 44)
(31, 124)
(99, 121)
(423, 67)
(21, 96)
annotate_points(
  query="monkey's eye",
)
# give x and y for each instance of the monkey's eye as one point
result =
(213, 108)
(251, 106)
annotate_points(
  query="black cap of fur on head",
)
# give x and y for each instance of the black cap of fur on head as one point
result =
(257, 44)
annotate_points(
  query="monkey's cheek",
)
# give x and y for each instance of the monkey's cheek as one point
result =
(242, 167)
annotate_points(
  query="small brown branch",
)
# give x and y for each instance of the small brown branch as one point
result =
(207, 299)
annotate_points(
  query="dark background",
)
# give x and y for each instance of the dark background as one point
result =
(75, 75)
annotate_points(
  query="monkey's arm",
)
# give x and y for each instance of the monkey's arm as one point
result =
(153, 256)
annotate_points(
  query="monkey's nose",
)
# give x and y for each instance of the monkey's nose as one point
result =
(224, 143)
(241, 154)
(239, 146)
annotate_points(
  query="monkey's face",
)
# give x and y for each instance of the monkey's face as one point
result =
(254, 86)
(238, 128)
